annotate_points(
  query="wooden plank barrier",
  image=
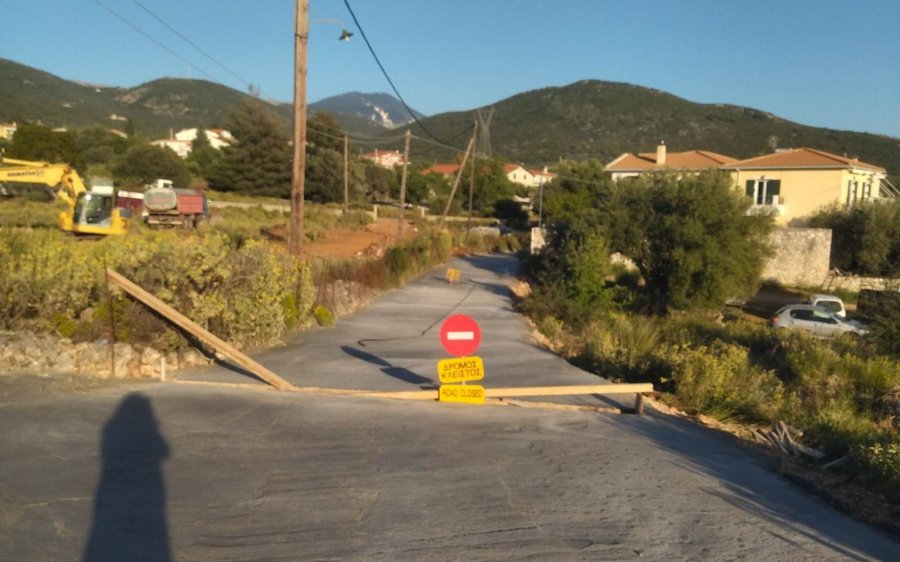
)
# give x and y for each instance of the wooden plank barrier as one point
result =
(432, 395)
(198, 331)
(501, 394)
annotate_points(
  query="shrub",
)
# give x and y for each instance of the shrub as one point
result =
(239, 293)
(879, 464)
(720, 379)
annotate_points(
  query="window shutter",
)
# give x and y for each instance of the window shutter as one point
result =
(750, 185)
(773, 188)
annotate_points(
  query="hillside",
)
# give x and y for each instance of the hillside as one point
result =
(597, 119)
(28, 95)
(587, 119)
(383, 111)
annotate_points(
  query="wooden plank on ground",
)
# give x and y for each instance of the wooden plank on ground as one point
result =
(520, 391)
(198, 331)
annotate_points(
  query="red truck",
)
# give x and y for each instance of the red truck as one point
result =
(166, 205)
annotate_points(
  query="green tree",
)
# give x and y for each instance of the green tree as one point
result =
(100, 146)
(380, 181)
(491, 186)
(34, 142)
(570, 273)
(144, 163)
(865, 238)
(324, 159)
(259, 161)
(577, 187)
(690, 237)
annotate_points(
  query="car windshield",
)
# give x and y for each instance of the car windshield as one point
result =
(829, 305)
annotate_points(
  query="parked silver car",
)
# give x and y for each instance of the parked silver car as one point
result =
(816, 320)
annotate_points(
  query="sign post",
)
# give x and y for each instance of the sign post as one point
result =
(461, 336)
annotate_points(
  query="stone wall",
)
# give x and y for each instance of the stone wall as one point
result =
(855, 284)
(802, 256)
(46, 355)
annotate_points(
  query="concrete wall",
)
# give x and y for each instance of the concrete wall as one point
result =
(855, 284)
(802, 256)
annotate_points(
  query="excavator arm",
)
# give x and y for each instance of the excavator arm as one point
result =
(99, 214)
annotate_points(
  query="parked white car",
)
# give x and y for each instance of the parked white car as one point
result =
(816, 320)
(832, 303)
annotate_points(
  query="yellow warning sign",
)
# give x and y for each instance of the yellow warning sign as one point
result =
(453, 275)
(468, 393)
(461, 369)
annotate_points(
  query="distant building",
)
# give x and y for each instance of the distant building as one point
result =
(385, 158)
(515, 173)
(791, 183)
(631, 164)
(445, 170)
(182, 141)
(7, 130)
(795, 183)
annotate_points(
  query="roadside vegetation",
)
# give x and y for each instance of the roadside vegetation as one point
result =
(659, 318)
(231, 273)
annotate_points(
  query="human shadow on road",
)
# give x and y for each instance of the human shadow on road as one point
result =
(129, 520)
(399, 373)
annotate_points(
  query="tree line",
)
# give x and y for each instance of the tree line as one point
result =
(259, 163)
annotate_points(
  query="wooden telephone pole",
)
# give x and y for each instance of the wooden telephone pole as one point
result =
(346, 173)
(403, 187)
(459, 174)
(301, 39)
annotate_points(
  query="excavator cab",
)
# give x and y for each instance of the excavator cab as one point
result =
(93, 213)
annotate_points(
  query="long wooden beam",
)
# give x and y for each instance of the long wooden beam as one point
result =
(414, 395)
(198, 331)
(624, 388)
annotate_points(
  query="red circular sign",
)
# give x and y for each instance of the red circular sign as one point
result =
(460, 335)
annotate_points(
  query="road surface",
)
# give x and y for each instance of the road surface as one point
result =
(170, 471)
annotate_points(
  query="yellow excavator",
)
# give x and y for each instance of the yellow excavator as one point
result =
(90, 211)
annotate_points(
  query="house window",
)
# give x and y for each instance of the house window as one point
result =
(852, 187)
(867, 191)
(764, 191)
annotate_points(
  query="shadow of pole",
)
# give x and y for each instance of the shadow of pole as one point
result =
(129, 520)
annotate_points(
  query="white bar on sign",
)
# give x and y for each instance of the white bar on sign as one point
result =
(453, 336)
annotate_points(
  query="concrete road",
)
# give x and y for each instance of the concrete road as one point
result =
(149, 471)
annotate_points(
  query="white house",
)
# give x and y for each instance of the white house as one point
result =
(385, 158)
(181, 141)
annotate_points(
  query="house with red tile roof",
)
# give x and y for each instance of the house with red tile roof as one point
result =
(515, 173)
(443, 169)
(633, 164)
(795, 183)
(790, 183)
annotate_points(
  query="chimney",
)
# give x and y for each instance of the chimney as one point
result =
(661, 153)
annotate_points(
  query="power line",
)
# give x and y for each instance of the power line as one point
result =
(151, 38)
(192, 44)
(384, 72)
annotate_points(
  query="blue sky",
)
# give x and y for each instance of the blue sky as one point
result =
(825, 63)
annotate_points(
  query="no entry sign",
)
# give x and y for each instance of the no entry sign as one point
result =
(460, 335)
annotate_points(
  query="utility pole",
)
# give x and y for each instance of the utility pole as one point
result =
(346, 174)
(472, 180)
(462, 168)
(403, 186)
(301, 39)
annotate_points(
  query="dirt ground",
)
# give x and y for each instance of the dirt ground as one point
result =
(341, 244)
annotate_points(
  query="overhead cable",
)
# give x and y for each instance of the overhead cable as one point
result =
(192, 44)
(151, 38)
(384, 72)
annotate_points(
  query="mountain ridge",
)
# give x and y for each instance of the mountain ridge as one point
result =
(586, 119)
